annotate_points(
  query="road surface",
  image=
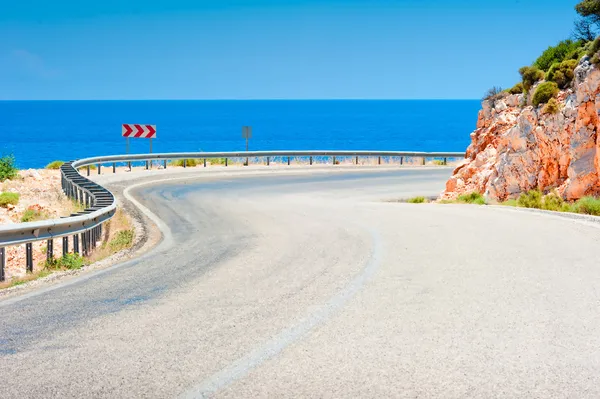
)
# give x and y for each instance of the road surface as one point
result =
(297, 285)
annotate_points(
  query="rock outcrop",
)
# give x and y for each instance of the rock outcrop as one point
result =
(518, 148)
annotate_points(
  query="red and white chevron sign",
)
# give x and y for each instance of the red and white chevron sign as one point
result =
(139, 131)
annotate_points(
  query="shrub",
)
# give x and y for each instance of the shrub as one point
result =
(493, 93)
(530, 76)
(557, 54)
(471, 198)
(8, 199)
(553, 202)
(216, 161)
(417, 200)
(123, 239)
(530, 199)
(516, 89)
(32, 214)
(70, 261)
(55, 165)
(8, 170)
(552, 107)
(562, 74)
(594, 47)
(544, 92)
(587, 205)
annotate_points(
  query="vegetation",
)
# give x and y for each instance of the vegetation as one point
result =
(123, 239)
(8, 170)
(190, 162)
(516, 89)
(8, 199)
(471, 198)
(530, 76)
(417, 200)
(55, 165)
(552, 107)
(562, 73)
(493, 93)
(32, 215)
(530, 199)
(587, 205)
(544, 92)
(70, 261)
(557, 54)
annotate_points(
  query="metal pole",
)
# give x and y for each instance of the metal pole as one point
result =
(29, 257)
(76, 243)
(268, 161)
(225, 161)
(127, 146)
(288, 161)
(185, 163)
(379, 161)
(99, 168)
(129, 164)
(205, 162)
(357, 159)
(65, 246)
(334, 160)
(423, 160)
(445, 161)
(146, 165)
(165, 164)
(50, 250)
(310, 160)
(401, 160)
(150, 146)
(88, 170)
(2, 264)
(114, 167)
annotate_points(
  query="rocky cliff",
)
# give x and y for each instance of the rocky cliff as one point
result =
(517, 148)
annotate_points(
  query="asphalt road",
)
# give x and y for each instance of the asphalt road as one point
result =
(282, 285)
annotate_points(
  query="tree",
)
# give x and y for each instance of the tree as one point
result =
(584, 30)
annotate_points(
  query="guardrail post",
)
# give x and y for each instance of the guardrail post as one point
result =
(423, 160)
(334, 159)
(114, 167)
(129, 165)
(268, 161)
(2, 264)
(165, 164)
(83, 244)
(205, 162)
(379, 161)
(99, 169)
(88, 170)
(76, 243)
(401, 160)
(445, 161)
(29, 257)
(65, 246)
(288, 161)
(357, 159)
(247, 162)
(50, 250)
(185, 163)
(147, 165)
(310, 160)
(226, 161)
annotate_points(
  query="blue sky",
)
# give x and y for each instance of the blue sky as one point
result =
(301, 49)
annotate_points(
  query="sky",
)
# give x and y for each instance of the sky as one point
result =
(260, 49)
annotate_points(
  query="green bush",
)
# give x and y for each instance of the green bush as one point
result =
(552, 107)
(587, 205)
(562, 73)
(544, 92)
(594, 47)
(8, 199)
(530, 76)
(32, 215)
(123, 239)
(553, 202)
(216, 161)
(557, 54)
(530, 199)
(70, 261)
(417, 200)
(8, 170)
(190, 162)
(516, 89)
(55, 165)
(471, 198)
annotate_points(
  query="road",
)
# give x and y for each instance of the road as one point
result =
(316, 285)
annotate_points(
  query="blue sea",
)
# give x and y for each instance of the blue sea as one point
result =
(38, 132)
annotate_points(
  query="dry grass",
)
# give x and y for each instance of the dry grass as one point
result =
(118, 235)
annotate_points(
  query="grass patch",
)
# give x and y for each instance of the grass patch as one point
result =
(509, 202)
(123, 239)
(438, 162)
(71, 261)
(417, 200)
(471, 198)
(8, 199)
(32, 215)
(55, 165)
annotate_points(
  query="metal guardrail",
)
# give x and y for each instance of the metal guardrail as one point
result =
(100, 204)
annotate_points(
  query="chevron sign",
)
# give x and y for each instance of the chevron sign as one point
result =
(139, 131)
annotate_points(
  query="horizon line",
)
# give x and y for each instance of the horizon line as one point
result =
(252, 99)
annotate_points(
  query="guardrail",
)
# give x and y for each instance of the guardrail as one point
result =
(86, 227)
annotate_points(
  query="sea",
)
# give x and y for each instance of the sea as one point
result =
(38, 132)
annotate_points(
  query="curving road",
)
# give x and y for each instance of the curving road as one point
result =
(290, 284)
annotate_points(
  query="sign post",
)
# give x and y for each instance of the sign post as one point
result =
(247, 134)
(138, 131)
